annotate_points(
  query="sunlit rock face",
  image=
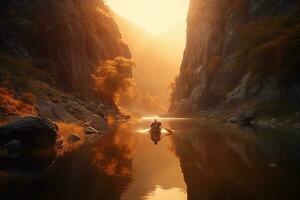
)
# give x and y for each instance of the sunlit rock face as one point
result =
(69, 37)
(233, 55)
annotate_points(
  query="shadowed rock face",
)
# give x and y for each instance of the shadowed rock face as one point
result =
(217, 67)
(69, 37)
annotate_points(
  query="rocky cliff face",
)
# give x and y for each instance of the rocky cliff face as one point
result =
(68, 37)
(48, 51)
(239, 55)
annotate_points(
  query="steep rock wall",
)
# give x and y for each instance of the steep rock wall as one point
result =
(229, 52)
(48, 51)
(68, 37)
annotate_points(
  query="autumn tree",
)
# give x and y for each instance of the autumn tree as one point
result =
(113, 76)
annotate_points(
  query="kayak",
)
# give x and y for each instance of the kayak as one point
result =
(155, 129)
(155, 132)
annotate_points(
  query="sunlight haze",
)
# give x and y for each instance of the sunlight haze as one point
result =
(155, 16)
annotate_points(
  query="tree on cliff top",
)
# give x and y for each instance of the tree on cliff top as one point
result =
(113, 76)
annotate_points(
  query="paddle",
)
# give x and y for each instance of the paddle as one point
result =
(170, 132)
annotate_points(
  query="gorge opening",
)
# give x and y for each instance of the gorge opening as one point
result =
(156, 34)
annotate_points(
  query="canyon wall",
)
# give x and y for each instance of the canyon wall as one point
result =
(239, 56)
(48, 52)
(68, 37)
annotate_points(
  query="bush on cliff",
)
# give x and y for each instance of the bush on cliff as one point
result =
(272, 47)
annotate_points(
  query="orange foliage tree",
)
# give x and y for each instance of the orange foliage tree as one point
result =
(113, 76)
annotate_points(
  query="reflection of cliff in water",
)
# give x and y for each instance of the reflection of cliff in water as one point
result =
(18, 170)
(31, 163)
(98, 170)
(228, 163)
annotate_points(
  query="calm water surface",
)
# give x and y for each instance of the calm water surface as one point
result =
(200, 161)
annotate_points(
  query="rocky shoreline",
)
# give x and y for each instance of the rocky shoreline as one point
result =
(22, 139)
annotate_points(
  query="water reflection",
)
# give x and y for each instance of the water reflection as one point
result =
(31, 163)
(113, 155)
(3, 182)
(199, 161)
(123, 164)
(230, 163)
(97, 170)
(156, 169)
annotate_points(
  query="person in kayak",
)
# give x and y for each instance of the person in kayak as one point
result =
(156, 123)
(155, 131)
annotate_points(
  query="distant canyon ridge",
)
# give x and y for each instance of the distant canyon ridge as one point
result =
(157, 58)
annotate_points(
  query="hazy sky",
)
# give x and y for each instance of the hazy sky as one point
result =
(155, 16)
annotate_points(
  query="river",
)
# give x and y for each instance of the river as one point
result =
(201, 160)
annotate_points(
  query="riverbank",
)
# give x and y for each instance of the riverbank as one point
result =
(249, 118)
(255, 118)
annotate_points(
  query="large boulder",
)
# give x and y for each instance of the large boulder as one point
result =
(32, 132)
